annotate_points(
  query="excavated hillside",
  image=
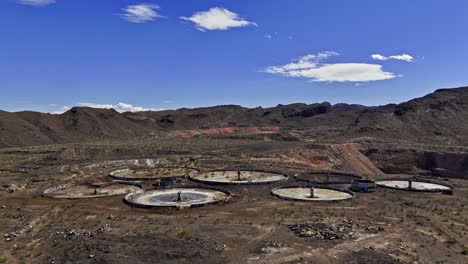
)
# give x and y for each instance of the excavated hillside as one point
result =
(438, 118)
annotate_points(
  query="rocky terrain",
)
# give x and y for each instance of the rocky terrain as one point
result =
(387, 226)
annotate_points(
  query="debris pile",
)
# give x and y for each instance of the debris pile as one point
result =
(346, 229)
(272, 247)
(319, 231)
(373, 229)
(71, 234)
(68, 234)
(10, 236)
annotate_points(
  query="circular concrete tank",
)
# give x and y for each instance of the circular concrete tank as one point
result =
(238, 177)
(91, 190)
(149, 174)
(327, 177)
(183, 197)
(312, 194)
(413, 185)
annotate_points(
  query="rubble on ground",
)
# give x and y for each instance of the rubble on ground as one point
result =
(346, 229)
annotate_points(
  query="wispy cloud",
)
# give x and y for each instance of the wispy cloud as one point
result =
(217, 19)
(268, 36)
(403, 57)
(140, 13)
(311, 66)
(36, 2)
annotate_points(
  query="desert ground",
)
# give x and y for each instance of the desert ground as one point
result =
(386, 226)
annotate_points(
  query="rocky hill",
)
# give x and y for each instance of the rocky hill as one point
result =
(438, 118)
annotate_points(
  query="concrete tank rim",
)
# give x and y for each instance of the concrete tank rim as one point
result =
(353, 195)
(364, 181)
(299, 177)
(127, 201)
(122, 178)
(46, 192)
(192, 178)
(414, 180)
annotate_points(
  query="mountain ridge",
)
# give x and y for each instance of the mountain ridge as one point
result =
(436, 117)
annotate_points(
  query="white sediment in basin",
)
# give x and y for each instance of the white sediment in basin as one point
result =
(169, 197)
(320, 194)
(246, 177)
(153, 173)
(404, 184)
(88, 191)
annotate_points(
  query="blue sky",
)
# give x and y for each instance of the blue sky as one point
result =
(168, 54)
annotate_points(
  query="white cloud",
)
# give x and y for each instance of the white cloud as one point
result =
(311, 66)
(348, 72)
(404, 57)
(120, 107)
(378, 57)
(268, 36)
(37, 2)
(217, 19)
(61, 110)
(140, 13)
(319, 56)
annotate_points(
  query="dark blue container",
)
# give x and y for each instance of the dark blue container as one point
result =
(363, 186)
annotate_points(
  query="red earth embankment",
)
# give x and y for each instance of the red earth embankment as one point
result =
(227, 130)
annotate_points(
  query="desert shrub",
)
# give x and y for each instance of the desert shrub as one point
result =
(451, 241)
(184, 235)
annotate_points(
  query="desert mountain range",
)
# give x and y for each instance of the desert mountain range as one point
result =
(437, 118)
